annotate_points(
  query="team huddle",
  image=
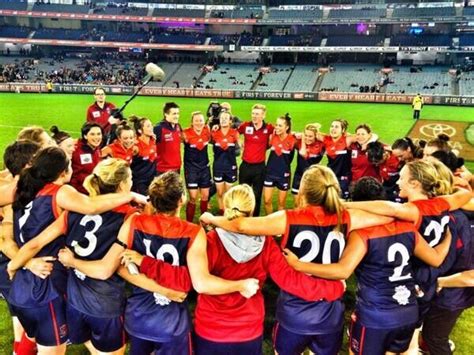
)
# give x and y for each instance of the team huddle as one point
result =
(81, 219)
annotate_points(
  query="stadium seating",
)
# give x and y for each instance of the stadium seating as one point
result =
(469, 11)
(60, 33)
(295, 40)
(425, 12)
(179, 13)
(121, 11)
(430, 80)
(14, 32)
(278, 14)
(231, 77)
(355, 40)
(239, 12)
(466, 40)
(276, 79)
(357, 13)
(77, 9)
(185, 76)
(350, 77)
(179, 38)
(466, 84)
(13, 4)
(421, 40)
(302, 79)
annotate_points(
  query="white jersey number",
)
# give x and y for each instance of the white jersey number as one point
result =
(399, 248)
(89, 235)
(437, 228)
(316, 245)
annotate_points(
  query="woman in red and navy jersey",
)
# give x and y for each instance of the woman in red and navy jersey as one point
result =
(310, 152)
(41, 196)
(386, 311)
(232, 324)
(336, 144)
(86, 154)
(360, 164)
(225, 141)
(406, 150)
(168, 140)
(124, 146)
(388, 168)
(420, 182)
(144, 162)
(92, 304)
(153, 320)
(282, 150)
(316, 232)
(196, 164)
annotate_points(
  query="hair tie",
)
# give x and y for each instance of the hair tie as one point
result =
(330, 185)
(96, 176)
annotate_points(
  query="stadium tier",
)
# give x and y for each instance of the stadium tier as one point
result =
(358, 13)
(77, 9)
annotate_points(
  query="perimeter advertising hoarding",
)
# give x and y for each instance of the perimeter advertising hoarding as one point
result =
(229, 94)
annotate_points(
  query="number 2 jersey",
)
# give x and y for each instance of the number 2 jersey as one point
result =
(90, 238)
(27, 289)
(149, 315)
(311, 235)
(385, 284)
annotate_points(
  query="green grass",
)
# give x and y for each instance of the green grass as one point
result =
(68, 112)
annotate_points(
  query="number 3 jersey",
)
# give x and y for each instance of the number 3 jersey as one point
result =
(149, 315)
(311, 235)
(90, 238)
(386, 287)
(27, 289)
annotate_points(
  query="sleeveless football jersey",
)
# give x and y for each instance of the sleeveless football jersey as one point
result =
(311, 235)
(90, 238)
(149, 315)
(28, 290)
(385, 283)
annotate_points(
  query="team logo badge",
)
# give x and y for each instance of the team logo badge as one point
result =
(86, 158)
(402, 295)
(160, 299)
(248, 130)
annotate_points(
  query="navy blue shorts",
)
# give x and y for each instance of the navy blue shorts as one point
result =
(295, 186)
(180, 346)
(286, 342)
(106, 334)
(370, 341)
(207, 347)
(47, 324)
(281, 183)
(229, 176)
(198, 179)
(344, 183)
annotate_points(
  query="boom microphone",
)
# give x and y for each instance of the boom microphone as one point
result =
(154, 72)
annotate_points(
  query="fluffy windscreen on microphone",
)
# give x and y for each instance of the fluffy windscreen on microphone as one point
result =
(155, 71)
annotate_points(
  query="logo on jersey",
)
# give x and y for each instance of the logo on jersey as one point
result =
(86, 158)
(354, 154)
(402, 295)
(248, 130)
(96, 114)
(79, 275)
(160, 299)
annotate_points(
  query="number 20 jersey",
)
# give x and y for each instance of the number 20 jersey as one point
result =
(149, 315)
(90, 238)
(310, 234)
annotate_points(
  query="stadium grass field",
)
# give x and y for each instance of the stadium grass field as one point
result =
(389, 121)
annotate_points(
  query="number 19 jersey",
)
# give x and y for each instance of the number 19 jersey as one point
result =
(149, 315)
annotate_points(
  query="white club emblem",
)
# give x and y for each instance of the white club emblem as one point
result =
(402, 294)
(81, 276)
(160, 299)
